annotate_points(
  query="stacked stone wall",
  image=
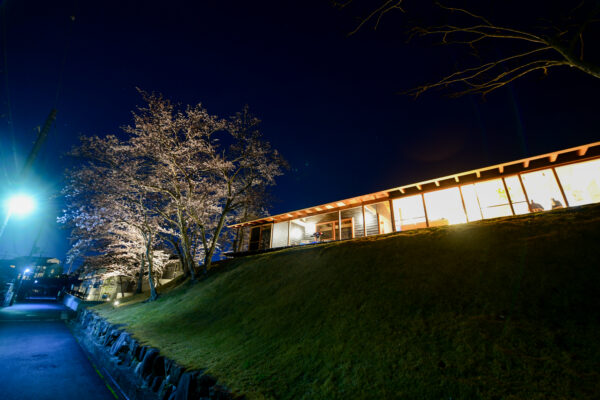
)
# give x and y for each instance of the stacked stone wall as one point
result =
(141, 371)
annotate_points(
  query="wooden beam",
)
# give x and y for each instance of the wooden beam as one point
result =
(425, 210)
(508, 197)
(364, 221)
(392, 215)
(524, 192)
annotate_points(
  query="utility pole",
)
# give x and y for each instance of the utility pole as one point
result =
(41, 138)
(39, 142)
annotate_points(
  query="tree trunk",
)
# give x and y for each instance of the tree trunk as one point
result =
(186, 271)
(189, 262)
(208, 256)
(153, 294)
(121, 285)
(141, 275)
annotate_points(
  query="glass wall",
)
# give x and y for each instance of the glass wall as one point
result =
(378, 218)
(471, 203)
(297, 232)
(280, 234)
(542, 190)
(409, 213)
(517, 196)
(352, 223)
(527, 192)
(581, 182)
(445, 207)
(317, 228)
(260, 237)
(492, 199)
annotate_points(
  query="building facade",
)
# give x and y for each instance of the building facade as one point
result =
(564, 178)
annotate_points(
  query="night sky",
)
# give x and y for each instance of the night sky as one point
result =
(329, 103)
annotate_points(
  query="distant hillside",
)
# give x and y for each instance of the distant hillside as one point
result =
(502, 309)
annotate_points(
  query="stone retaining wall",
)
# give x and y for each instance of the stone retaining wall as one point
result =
(75, 303)
(140, 371)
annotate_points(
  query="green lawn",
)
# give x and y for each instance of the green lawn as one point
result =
(503, 309)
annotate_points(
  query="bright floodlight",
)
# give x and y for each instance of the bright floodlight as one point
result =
(21, 204)
(27, 270)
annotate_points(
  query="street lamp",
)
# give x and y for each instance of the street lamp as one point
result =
(20, 204)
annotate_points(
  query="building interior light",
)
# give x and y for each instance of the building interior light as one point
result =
(296, 234)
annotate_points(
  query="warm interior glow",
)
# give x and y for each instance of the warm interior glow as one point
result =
(444, 207)
(581, 182)
(492, 199)
(296, 234)
(542, 190)
(409, 213)
(280, 234)
(517, 196)
(471, 203)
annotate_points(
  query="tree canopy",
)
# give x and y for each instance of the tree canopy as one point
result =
(175, 179)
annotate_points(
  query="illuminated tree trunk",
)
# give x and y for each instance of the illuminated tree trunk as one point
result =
(153, 294)
(141, 275)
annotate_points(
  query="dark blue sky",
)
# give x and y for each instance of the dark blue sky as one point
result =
(328, 102)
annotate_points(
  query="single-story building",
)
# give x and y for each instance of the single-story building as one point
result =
(564, 178)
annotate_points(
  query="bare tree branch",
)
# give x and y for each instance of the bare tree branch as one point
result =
(529, 49)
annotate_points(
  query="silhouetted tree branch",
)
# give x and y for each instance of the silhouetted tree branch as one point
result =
(556, 43)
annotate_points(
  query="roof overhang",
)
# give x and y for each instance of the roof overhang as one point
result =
(565, 156)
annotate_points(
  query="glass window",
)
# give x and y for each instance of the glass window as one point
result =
(519, 201)
(260, 237)
(254, 238)
(581, 182)
(542, 190)
(444, 207)
(317, 228)
(326, 230)
(492, 198)
(265, 238)
(280, 234)
(471, 203)
(347, 230)
(297, 232)
(378, 218)
(409, 213)
(352, 223)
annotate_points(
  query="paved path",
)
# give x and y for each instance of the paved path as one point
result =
(40, 359)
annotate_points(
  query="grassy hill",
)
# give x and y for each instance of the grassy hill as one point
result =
(502, 309)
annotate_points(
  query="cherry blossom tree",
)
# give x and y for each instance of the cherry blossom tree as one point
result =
(202, 167)
(238, 166)
(105, 204)
(179, 177)
(172, 149)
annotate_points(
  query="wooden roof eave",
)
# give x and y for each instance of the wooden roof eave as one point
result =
(498, 169)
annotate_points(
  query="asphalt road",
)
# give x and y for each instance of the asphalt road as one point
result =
(40, 359)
